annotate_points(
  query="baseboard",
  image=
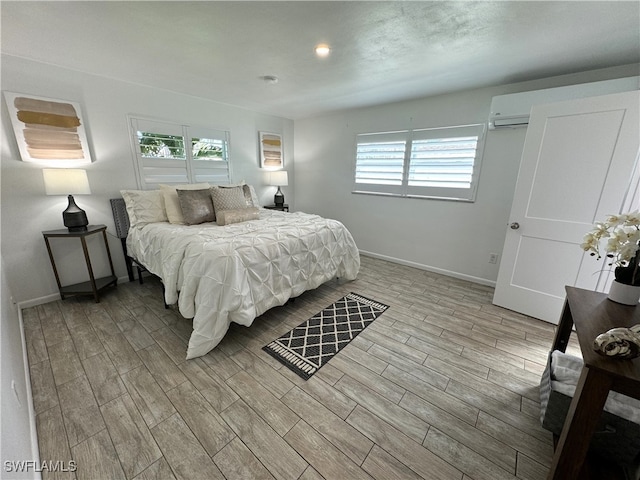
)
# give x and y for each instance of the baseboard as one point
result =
(33, 433)
(442, 271)
(34, 302)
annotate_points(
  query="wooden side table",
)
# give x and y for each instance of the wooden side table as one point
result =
(592, 314)
(283, 208)
(94, 285)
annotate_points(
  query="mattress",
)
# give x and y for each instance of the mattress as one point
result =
(234, 273)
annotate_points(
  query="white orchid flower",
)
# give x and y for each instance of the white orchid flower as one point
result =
(617, 237)
(633, 219)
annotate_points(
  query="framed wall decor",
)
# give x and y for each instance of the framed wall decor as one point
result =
(48, 131)
(271, 152)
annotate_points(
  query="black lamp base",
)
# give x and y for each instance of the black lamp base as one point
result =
(74, 218)
(77, 229)
(278, 199)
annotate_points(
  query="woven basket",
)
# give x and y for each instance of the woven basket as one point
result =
(615, 438)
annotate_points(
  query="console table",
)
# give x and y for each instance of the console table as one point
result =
(94, 285)
(283, 208)
(592, 314)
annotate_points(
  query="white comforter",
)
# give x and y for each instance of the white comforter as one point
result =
(234, 273)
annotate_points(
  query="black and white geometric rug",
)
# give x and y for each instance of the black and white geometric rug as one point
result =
(306, 348)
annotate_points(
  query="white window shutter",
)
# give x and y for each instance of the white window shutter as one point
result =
(168, 153)
(439, 163)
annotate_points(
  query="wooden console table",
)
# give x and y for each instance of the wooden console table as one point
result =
(592, 314)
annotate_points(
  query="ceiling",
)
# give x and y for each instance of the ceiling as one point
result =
(381, 51)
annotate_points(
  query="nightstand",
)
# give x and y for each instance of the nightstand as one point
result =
(94, 285)
(283, 208)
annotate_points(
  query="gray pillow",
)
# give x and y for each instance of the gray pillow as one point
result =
(228, 198)
(196, 206)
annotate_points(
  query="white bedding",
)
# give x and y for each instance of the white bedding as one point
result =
(234, 273)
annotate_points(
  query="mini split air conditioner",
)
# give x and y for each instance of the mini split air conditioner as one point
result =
(512, 110)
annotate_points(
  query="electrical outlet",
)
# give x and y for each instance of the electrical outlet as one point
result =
(493, 258)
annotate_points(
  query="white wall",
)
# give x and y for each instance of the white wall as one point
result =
(27, 211)
(18, 422)
(446, 236)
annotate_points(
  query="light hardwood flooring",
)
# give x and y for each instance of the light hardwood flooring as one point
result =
(442, 386)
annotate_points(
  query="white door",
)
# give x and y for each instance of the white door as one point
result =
(577, 166)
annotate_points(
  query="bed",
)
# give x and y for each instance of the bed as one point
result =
(218, 274)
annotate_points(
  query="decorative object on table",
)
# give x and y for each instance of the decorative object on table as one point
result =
(69, 181)
(271, 153)
(619, 342)
(48, 131)
(279, 179)
(314, 342)
(622, 234)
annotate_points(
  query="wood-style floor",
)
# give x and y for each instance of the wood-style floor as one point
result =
(443, 385)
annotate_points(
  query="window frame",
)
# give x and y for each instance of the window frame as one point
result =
(153, 171)
(426, 192)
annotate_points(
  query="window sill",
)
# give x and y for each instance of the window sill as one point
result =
(422, 197)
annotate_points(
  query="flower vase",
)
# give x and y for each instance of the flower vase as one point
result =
(624, 294)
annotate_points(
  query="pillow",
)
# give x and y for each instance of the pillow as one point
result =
(228, 198)
(171, 202)
(227, 217)
(251, 196)
(196, 206)
(144, 206)
(249, 192)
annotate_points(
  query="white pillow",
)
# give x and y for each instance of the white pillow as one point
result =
(144, 206)
(254, 196)
(171, 201)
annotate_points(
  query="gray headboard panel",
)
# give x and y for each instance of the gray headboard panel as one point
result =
(121, 221)
(120, 217)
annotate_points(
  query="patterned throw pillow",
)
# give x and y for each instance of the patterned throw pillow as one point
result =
(144, 206)
(228, 198)
(227, 217)
(196, 206)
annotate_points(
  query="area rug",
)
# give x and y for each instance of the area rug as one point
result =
(310, 345)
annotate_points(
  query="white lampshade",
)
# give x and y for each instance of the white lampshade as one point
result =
(279, 178)
(66, 181)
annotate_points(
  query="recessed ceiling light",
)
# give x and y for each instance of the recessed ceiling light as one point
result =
(269, 79)
(323, 50)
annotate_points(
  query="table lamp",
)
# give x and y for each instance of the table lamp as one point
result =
(69, 181)
(279, 179)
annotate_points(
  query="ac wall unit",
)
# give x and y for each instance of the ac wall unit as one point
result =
(512, 110)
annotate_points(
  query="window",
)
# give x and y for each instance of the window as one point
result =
(380, 158)
(431, 163)
(171, 153)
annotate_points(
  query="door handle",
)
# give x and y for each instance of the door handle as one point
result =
(514, 226)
